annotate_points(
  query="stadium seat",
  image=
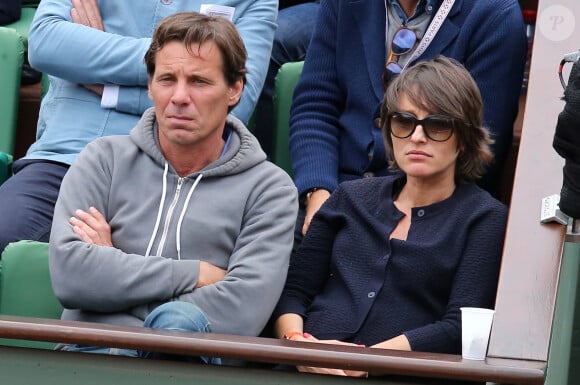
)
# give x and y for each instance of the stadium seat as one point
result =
(11, 59)
(5, 166)
(25, 287)
(286, 80)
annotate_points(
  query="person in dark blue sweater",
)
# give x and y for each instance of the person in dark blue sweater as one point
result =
(388, 261)
(10, 11)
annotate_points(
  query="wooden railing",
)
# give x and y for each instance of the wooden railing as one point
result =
(268, 350)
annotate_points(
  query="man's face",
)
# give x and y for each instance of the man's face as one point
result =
(190, 95)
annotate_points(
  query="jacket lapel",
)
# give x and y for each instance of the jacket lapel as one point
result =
(369, 16)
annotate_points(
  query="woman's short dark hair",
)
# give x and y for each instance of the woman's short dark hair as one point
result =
(443, 86)
(192, 28)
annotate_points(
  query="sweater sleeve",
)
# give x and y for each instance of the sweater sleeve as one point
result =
(133, 100)
(499, 35)
(474, 285)
(82, 54)
(314, 132)
(310, 264)
(86, 55)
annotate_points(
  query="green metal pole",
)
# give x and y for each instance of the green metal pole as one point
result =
(563, 368)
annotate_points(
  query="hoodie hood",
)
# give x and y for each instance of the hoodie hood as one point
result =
(243, 153)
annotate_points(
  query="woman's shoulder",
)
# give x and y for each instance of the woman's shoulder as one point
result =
(471, 195)
(368, 185)
(365, 192)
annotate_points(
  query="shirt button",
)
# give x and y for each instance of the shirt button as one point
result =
(371, 294)
(167, 2)
(420, 213)
(368, 174)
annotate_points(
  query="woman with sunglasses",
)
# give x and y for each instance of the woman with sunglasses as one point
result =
(389, 261)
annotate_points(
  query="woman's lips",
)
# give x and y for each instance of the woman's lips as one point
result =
(415, 154)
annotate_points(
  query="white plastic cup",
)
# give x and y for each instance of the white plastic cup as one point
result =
(475, 329)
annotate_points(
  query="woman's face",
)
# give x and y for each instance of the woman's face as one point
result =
(418, 155)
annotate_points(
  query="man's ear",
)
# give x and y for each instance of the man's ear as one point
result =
(235, 92)
(149, 89)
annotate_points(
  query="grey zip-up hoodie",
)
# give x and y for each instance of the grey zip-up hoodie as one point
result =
(238, 213)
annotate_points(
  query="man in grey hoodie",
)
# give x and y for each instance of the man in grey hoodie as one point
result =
(182, 224)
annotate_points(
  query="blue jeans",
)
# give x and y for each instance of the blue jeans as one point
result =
(27, 201)
(176, 315)
(295, 26)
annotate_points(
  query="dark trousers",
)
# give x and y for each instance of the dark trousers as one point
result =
(27, 201)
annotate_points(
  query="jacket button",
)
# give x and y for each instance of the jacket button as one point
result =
(368, 174)
(371, 294)
(420, 213)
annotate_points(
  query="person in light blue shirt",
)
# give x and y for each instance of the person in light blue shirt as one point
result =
(93, 52)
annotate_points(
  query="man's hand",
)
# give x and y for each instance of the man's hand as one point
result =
(209, 274)
(315, 201)
(91, 227)
(96, 88)
(86, 12)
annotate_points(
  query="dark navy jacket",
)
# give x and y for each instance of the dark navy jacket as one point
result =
(336, 99)
(10, 11)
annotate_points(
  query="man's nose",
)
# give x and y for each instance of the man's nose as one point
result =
(180, 93)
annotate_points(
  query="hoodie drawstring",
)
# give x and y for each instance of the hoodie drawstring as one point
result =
(181, 216)
(160, 211)
(178, 232)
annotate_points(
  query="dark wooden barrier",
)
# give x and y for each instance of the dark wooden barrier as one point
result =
(269, 350)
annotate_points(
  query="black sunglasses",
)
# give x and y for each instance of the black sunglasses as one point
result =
(438, 128)
(403, 41)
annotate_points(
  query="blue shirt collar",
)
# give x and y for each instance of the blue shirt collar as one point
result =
(424, 6)
(227, 136)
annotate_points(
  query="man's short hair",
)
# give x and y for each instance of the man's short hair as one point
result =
(192, 28)
(443, 86)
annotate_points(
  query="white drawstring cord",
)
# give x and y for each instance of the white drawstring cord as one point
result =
(178, 235)
(156, 228)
